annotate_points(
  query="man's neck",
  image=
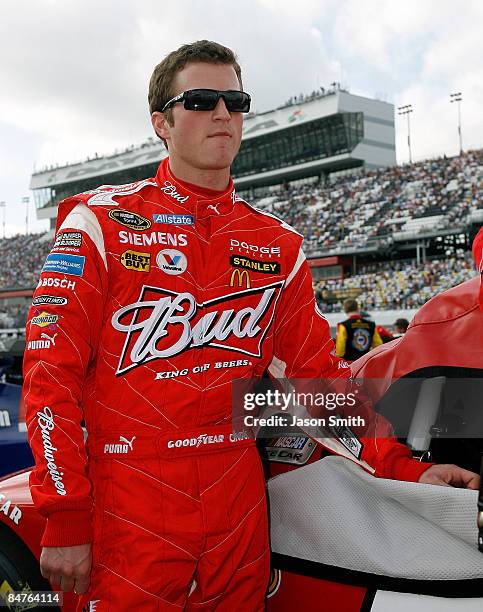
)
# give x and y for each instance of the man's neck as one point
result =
(216, 180)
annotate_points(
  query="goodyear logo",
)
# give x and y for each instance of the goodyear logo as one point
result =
(129, 219)
(44, 319)
(242, 277)
(134, 260)
(265, 267)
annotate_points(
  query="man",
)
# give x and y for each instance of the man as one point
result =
(155, 296)
(400, 327)
(357, 335)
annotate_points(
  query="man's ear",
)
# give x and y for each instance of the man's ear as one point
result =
(160, 125)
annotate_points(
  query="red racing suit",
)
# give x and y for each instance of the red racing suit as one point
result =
(153, 298)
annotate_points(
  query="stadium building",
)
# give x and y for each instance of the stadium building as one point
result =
(326, 132)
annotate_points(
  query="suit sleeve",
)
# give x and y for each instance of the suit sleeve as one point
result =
(303, 349)
(62, 334)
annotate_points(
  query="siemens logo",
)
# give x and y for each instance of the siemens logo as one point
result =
(152, 238)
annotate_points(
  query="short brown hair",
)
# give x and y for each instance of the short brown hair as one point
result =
(162, 79)
(351, 305)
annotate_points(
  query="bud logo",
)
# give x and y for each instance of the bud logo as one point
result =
(49, 300)
(242, 276)
(171, 261)
(122, 448)
(169, 189)
(163, 323)
(133, 260)
(129, 219)
(46, 423)
(44, 319)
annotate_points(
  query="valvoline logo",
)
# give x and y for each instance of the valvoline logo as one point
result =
(172, 261)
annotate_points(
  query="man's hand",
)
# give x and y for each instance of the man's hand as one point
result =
(449, 475)
(67, 566)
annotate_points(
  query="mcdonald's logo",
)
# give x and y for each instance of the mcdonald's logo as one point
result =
(243, 278)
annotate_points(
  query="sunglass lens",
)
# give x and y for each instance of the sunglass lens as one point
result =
(237, 101)
(201, 99)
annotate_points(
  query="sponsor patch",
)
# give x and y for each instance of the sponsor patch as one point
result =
(348, 438)
(265, 267)
(162, 323)
(65, 264)
(68, 239)
(119, 448)
(50, 281)
(173, 219)
(45, 342)
(49, 300)
(133, 260)
(242, 277)
(296, 450)
(169, 189)
(129, 219)
(171, 261)
(153, 238)
(44, 319)
(253, 249)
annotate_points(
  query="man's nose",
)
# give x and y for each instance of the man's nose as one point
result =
(221, 112)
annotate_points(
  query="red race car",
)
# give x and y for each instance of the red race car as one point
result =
(342, 540)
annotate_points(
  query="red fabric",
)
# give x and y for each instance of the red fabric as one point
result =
(478, 257)
(144, 349)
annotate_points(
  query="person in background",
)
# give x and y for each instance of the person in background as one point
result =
(357, 335)
(400, 327)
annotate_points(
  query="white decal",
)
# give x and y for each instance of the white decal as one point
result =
(169, 189)
(15, 512)
(253, 248)
(170, 323)
(122, 448)
(63, 283)
(214, 207)
(145, 239)
(46, 424)
(103, 195)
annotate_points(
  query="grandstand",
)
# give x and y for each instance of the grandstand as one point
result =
(307, 138)
(391, 236)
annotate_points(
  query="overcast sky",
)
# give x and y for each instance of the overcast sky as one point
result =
(74, 73)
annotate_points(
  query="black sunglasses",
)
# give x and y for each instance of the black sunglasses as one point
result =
(207, 99)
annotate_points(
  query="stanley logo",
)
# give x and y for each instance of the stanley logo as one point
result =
(133, 260)
(265, 267)
(44, 319)
(129, 219)
(243, 278)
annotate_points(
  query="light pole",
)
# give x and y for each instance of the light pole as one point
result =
(26, 200)
(407, 110)
(457, 97)
(4, 206)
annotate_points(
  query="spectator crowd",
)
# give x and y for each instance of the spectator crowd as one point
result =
(366, 211)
